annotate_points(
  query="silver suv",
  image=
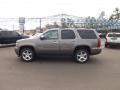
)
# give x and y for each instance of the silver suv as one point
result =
(81, 43)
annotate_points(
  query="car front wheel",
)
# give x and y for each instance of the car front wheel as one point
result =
(82, 55)
(27, 54)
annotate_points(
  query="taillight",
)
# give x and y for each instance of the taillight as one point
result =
(99, 43)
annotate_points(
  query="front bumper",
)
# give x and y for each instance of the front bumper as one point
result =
(95, 51)
(17, 51)
(112, 43)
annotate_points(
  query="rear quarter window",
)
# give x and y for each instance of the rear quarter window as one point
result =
(87, 34)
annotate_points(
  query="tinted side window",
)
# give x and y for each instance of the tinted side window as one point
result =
(5, 34)
(67, 34)
(9, 34)
(15, 34)
(0, 34)
(87, 34)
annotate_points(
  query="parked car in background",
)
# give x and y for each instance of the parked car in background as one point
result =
(112, 39)
(80, 43)
(8, 37)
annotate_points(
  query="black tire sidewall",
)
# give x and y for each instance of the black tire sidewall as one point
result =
(107, 45)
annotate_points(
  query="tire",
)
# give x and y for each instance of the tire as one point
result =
(82, 56)
(107, 46)
(27, 54)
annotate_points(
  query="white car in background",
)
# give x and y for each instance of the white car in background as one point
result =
(112, 39)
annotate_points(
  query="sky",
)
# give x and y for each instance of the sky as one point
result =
(43, 8)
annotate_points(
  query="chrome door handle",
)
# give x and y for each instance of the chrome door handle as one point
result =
(54, 42)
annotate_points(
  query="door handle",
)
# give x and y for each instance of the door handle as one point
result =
(54, 42)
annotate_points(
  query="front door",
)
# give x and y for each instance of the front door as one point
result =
(50, 43)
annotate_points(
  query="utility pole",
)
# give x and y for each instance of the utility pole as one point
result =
(21, 23)
(23, 29)
(40, 25)
(13, 27)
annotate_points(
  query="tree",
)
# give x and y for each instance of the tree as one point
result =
(54, 25)
(115, 15)
(102, 14)
(63, 23)
(48, 26)
(68, 23)
(90, 22)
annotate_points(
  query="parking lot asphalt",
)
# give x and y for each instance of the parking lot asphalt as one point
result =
(102, 72)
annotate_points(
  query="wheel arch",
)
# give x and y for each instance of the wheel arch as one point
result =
(82, 47)
(26, 46)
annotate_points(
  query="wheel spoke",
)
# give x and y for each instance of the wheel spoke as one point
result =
(30, 53)
(24, 53)
(28, 57)
(78, 55)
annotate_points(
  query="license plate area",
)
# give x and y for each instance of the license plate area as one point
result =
(114, 38)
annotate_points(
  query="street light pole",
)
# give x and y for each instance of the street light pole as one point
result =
(40, 25)
(13, 27)
(23, 29)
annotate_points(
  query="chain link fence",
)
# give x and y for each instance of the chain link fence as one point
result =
(33, 25)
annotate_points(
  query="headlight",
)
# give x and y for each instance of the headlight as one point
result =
(16, 43)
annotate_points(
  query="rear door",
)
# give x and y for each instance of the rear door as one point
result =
(67, 41)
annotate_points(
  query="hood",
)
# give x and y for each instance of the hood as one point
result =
(27, 39)
(25, 36)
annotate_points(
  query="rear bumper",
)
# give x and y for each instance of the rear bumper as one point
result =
(96, 51)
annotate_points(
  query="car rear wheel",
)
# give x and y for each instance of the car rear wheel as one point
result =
(27, 54)
(82, 55)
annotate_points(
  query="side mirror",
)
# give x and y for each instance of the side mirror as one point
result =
(42, 37)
